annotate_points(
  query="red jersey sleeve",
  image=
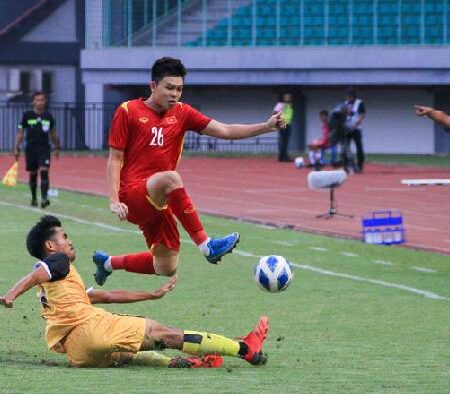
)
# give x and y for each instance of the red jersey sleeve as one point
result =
(194, 120)
(118, 132)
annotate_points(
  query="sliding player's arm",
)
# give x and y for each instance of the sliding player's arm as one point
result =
(115, 162)
(434, 114)
(240, 131)
(123, 297)
(34, 278)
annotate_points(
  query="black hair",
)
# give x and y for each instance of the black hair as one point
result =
(324, 112)
(167, 67)
(350, 91)
(38, 93)
(42, 231)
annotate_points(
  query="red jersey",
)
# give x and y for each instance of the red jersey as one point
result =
(151, 142)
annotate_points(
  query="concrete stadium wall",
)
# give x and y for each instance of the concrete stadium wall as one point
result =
(63, 80)
(390, 125)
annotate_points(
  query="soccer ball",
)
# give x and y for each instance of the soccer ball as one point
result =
(273, 273)
(299, 162)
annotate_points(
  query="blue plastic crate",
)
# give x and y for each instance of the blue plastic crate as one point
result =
(383, 228)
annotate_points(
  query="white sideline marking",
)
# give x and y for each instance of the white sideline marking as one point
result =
(244, 254)
(426, 270)
(425, 182)
(73, 218)
(318, 248)
(382, 262)
(348, 254)
(283, 243)
(266, 226)
(426, 294)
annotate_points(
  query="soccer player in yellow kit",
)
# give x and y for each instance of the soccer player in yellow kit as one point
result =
(94, 337)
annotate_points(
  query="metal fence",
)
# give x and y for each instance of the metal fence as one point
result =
(86, 126)
(79, 126)
(275, 22)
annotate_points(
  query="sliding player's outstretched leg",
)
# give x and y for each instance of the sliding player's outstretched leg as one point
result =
(154, 359)
(198, 343)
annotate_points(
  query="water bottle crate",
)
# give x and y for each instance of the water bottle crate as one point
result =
(383, 228)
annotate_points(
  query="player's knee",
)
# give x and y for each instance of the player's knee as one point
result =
(172, 339)
(165, 270)
(173, 181)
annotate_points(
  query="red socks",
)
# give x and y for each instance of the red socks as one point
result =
(140, 263)
(182, 208)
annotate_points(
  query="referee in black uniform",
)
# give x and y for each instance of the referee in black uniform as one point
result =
(38, 128)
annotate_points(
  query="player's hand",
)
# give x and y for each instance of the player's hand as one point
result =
(120, 209)
(276, 121)
(421, 110)
(169, 286)
(6, 302)
(16, 153)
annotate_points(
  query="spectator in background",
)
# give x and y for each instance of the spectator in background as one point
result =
(356, 112)
(284, 134)
(38, 128)
(317, 145)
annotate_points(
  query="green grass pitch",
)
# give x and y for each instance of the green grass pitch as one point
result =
(368, 330)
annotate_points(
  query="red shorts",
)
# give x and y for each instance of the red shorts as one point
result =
(157, 224)
(319, 144)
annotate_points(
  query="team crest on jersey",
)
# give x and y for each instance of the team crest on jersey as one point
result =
(143, 120)
(171, 120)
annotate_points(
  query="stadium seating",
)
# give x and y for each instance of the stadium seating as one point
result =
(335, 22)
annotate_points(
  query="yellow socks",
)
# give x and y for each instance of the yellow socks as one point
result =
(201, 342)
(151, 359)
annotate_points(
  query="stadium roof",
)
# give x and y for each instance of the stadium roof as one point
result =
(18, 17)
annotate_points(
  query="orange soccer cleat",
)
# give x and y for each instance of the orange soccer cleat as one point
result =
(254, 341)
(203, 361)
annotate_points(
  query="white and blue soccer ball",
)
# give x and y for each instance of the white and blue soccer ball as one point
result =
(299, 162)
(273, 273)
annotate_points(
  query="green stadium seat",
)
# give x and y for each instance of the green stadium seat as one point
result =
(387, 7)
(290, 42)
(244, 11)
(313, 21)
(241, 21)
(291, 20)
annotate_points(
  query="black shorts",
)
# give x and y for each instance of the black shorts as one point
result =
(37, 156)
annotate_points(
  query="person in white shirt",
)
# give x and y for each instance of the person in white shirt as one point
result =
(356, 111)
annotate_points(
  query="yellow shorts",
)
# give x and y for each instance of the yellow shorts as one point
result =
(93, 343)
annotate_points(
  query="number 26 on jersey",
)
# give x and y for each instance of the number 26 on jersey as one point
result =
(157, 136)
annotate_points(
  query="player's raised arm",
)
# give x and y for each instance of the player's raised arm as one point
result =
(434, 114)
(115, 162)
(38, 276)
(240, 131)
(123, 297)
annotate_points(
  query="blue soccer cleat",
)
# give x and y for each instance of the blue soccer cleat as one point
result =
(99, 258)
(221, 246)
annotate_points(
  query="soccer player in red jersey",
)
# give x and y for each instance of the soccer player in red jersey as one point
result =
(146, 140)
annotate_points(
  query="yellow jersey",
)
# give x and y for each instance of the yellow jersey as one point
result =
(65, 302)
